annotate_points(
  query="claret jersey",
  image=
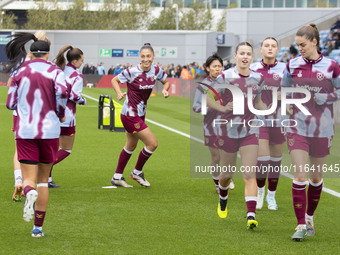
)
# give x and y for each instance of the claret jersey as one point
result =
(272, 75)
(74, 80)
(38, 92)
(238, 125)
(316, 76)
(140, 84)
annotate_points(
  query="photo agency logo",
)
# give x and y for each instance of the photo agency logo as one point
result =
(239, 102)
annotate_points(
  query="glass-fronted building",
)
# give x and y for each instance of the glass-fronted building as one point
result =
(221, 4)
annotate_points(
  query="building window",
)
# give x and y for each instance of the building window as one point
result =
(223, 4)
(233, 4)
(267, 3)
(245, 3)
(278, 3)
(256, 4)
(156, 3)
(333, 3)
(187, 3)
(290, 4)
(213, 3)
(300, 4)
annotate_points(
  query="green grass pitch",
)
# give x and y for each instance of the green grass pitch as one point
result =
(176, 215)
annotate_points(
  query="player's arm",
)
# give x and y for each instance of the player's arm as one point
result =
(287, 81)
(330, 98)
(115, 83)
(75, 94)
(218, 107)
(60, 87)
(166, 86)
(12, 96)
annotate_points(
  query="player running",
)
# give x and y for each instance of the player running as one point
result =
(38, 92)
(18, 190)
(311, 137)
(271, 137)
(140, 81)
(214, 66)
(74, 79)
(234, 136)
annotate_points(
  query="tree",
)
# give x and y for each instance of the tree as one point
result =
(8, 21)
(222, 23)
(134, 16)
(45, 16)
(166, 19)
(197, 18)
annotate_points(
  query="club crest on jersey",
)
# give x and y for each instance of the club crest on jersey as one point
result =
(291, 141)
(320, 76)
(299, 74)
(137, 125)
(220, 142)
(276, 76)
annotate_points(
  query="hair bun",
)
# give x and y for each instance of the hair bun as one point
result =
(147, 44)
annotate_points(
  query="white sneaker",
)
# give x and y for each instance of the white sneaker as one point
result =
(140, 179)
(260, 198)
(28, 211)
(271, 203)
(231, 184)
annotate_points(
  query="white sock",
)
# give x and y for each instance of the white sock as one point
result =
(261, 189)
(308, 217)
(117, 176)
(35, 227)
(49, 179)
(17, 176)
(250, 214)
(271, 193)
(137, 172)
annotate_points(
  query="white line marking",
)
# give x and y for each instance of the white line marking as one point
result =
(109, 187)
(329, 191)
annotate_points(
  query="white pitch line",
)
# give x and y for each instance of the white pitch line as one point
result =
(327, 190)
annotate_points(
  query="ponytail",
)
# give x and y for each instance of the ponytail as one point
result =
(15, 50)
(72, 54)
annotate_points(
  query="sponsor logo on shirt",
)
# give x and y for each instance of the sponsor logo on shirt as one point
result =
(146, 86)
(267, 87)
(310, 88)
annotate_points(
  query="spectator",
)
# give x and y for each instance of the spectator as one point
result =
(86, 69)
(110, 71)
(178, 71)
(101, 69)
(117, 70)
(185, 74)
(92, 69)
